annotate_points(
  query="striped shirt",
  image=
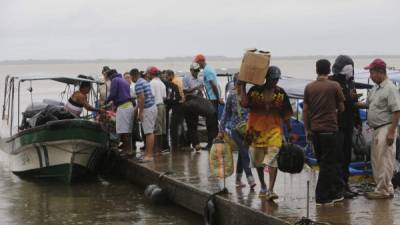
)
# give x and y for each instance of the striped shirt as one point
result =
(143, 86)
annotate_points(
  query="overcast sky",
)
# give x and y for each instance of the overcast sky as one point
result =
(92, 29)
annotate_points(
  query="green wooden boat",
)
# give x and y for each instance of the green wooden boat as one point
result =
(67, 149)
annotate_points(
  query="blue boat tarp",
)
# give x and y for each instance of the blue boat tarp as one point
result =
(355, 168)
(363, 75)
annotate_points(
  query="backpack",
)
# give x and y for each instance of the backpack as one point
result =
(172, 94)
(291, 158)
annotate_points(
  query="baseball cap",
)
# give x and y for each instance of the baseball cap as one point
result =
(376, 64)
(152, 70)
(199, 58)
(194, 66)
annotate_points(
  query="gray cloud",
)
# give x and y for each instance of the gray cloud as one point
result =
(75, 29)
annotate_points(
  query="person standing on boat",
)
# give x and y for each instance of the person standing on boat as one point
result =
(269, 108)
(383, 105)
(78, 100)
(323, 99)
(121, 98)
(147, 112)
(343, 74)
(233, 115)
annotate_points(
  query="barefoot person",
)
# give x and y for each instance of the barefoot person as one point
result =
(147, 112)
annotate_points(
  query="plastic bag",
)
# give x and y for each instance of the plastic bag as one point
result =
(359, 143)
(221, 159)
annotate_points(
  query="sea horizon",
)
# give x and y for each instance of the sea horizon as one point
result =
(174, 59)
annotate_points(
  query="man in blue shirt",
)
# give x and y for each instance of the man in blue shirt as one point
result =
(210, 81)
(147, 112)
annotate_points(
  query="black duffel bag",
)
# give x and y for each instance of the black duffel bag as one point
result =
(290, 158)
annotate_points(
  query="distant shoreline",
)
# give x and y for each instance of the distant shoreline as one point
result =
(168, 59)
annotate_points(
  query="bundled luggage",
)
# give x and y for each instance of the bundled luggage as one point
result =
(290, 158)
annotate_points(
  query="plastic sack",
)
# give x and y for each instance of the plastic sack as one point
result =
(221, 159)
(359, 143)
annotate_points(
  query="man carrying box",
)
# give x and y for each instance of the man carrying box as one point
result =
(269, 107)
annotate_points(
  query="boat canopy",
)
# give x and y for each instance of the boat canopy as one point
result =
(393, 74)
(294, 87)
(65, 80)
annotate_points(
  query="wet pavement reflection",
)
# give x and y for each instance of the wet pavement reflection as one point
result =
(100, 201)
(192, 168)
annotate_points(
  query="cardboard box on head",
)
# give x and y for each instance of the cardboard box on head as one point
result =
(254, 66)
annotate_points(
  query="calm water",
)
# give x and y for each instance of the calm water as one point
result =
(102, 201)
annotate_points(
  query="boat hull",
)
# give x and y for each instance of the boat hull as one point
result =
(66, 150)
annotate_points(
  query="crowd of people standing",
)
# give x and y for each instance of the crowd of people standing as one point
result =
(158, 103)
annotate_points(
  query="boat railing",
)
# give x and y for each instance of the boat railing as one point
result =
(8, 109)
(8, 101)
(5, 97)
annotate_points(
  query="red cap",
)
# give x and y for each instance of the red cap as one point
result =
(199, 58)
(376, 64)
(152, 70)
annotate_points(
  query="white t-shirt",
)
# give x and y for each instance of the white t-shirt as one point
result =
(133, 93)
(159, 90)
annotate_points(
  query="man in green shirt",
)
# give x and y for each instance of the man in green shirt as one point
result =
(383, 105)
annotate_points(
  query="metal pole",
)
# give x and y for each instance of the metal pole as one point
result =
(19, 103)
(308, 199)
(223, 166)
(5, 94)
(12, 105)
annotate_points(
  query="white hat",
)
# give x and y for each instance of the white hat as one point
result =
(194, 66)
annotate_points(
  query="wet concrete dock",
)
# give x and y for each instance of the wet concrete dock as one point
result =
(189, 184)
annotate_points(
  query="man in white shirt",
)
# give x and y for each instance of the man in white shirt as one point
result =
(128, 78)
(159, 92)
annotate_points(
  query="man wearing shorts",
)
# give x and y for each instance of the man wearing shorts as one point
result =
(121, 98)
(269, 107)
(159, 92)
(147, 112)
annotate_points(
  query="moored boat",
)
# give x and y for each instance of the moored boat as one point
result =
(64, 147)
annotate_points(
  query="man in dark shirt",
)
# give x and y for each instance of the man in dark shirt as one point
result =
(322, 99)
(269, 109)
(121, 97)
(343, 74)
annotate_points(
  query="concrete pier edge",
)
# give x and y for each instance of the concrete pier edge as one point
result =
(193, 199)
